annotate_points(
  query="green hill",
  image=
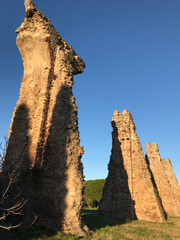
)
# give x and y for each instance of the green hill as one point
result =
(93, 192)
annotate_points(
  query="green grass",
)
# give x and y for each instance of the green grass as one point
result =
(107, 228)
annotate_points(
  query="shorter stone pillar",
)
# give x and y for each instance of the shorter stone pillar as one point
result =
(129, 192)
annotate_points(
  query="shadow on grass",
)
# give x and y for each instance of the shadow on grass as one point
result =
(96, 221)
(28, 234)
(36, 234)
(90, 217)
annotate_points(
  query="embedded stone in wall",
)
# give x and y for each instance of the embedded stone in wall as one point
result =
(161, 182)
(44, 145)
(129, 192)
(172, 181)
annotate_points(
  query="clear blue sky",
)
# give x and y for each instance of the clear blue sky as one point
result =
(132, 53)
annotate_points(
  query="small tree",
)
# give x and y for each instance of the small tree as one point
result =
(8, 206)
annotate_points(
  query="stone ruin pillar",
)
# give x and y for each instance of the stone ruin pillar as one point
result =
(172, 181)
(44, 146)
(129, 192)
(161, 181)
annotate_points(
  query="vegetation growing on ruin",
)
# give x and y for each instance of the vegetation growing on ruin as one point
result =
(69, 57)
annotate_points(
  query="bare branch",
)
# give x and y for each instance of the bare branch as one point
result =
(10, 206)
(10, 227)
(12, 178)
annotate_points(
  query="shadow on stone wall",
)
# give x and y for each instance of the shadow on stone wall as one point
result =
(154, 184)
(116, 200)
(18, 142)
(44, 185)
(17, 161)
(49, 175)
(44, 119)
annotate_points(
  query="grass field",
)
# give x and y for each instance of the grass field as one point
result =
(106, 228)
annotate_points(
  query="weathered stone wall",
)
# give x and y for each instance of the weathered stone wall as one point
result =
(173, 182)
(129, 192)
(161, 182)
(43, 137)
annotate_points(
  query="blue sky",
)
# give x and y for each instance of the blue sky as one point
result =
(132, 53)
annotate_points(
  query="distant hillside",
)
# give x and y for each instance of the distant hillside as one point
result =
(93, 192)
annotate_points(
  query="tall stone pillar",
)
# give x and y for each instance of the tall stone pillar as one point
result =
(44, 146)
(129, 192)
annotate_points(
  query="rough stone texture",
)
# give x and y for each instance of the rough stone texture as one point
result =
(43, 137)
(129, 192)
(161, 182)
(172, 181)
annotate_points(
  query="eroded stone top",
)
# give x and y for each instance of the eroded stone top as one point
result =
(36, 25)
(125, 116)
(153, 146)
(30, 8)
(166, 161)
